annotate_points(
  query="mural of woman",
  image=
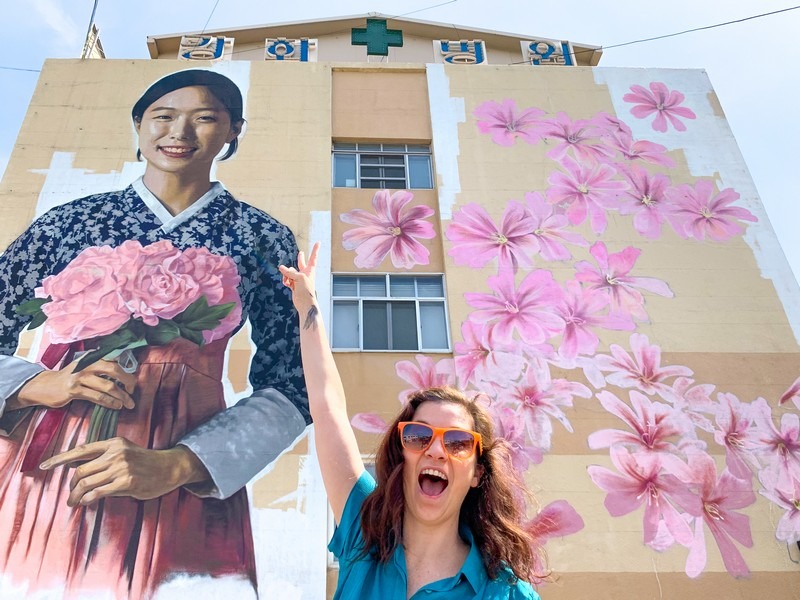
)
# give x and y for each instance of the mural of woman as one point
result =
(164, 497)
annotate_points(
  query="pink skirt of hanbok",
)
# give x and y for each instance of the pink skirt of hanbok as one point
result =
(121, 545)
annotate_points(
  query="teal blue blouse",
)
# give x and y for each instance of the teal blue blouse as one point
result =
(366, 578)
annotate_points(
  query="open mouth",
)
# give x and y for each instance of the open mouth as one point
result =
(176, 151)
(432, 482)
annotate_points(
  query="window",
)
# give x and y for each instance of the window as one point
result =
(389, 312)
(382, 166)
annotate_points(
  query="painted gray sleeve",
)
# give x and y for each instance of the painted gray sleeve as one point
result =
(14, 372)
(240, 441)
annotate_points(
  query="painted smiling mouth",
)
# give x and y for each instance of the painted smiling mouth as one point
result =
(432, 482)
(177, 151)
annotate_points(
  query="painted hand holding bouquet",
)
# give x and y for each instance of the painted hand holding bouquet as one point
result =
(110, 301)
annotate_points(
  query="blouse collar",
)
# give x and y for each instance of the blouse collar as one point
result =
(169, 222)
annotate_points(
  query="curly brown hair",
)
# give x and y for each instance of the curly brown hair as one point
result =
(494, 511)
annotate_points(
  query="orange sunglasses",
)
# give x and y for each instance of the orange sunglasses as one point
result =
(458, 443)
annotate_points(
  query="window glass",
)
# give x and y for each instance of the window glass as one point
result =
(372, 285)
(343, 146)
(394, 160)
(376, 330)
(345, 324)
(432, 325)
(419, 172)
(418, 148)
(345, 286)
(344, 170)
(401, 287)
(394, 147)
(430, 287)
(369, 147)
(404, 326)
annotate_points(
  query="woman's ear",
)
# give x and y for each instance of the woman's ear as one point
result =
(236, 129)
(476, 479)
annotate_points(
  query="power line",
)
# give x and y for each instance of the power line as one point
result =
(209, 17)
(20, 69)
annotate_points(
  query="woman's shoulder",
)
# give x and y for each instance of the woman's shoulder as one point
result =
(258, 219)
(86, 206)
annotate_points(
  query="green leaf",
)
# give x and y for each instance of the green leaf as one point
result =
(32, 307)
(163, 333)
(37, 320)
(193, 335)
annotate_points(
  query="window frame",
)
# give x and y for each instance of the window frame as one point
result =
(387, 299)
(363, 150)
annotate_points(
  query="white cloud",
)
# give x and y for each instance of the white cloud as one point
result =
(68, 32)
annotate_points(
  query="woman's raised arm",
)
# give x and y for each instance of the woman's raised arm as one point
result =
(337, 449)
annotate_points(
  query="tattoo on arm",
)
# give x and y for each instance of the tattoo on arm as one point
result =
(311, 318)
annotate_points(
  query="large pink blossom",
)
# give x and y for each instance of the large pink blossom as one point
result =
(528, 310)
(719, 501)
(86, 300)
(641, 369)
(583, 310)
(699, 213)
(550, 228)
(483, 357)
(653, 424)
(505, 123)
(585, 189)
(557, 519)
(538, 398)
(642, 480)
(787, 496)
(734, 431)
(581, 137)
(779, 447)
(510, 427)
(646, 200)
(612, 274)
(425, 374)
(476, 240)
(694, 401)
(369, 423)
(393, 229)
(662, 102)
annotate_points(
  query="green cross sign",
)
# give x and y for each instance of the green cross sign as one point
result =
(376, 37)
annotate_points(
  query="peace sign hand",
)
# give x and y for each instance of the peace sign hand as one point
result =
(301, 281)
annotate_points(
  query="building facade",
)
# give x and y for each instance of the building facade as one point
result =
(582, 245)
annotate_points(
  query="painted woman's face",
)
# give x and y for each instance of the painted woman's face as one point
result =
(434, 483)
(183, 131)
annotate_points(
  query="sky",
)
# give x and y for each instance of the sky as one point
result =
(752, 65)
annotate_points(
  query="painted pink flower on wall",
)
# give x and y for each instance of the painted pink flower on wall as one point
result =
(612, 275)
(581, 137)
(642, 480)
(645, 199)
(426, 373)
(393, 229)
(550, 229)
(699, 213)
(642, 369)
(481, 356)
(719, 501)
(528, 310)
(663, 103)
(511, 428)
(585, 189)
(787, 496)
(505, 123)
(477, 240)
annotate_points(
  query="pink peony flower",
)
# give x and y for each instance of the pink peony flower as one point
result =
(505, 123)
(151, 284)
(86, 299)
(392, 230)
(662, 102)
(698, 213)
(477, 240)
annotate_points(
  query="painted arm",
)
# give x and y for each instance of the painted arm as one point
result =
(337, 448)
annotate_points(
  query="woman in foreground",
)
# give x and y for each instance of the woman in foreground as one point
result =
(444, 518)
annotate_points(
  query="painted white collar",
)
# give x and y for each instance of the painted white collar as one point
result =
(168, 222)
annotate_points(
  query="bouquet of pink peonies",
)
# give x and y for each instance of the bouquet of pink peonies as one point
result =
(113, 300)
